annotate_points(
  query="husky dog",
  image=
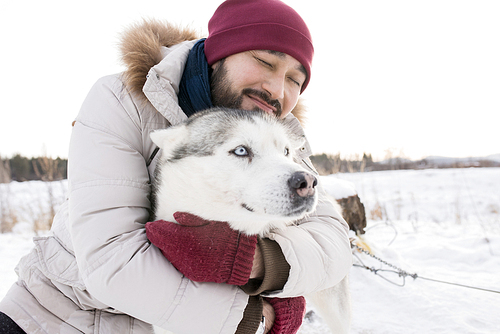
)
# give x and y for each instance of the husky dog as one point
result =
(241, 167)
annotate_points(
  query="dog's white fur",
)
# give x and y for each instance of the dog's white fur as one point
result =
(234, 166)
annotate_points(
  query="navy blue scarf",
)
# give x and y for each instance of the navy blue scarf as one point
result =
(194, 89)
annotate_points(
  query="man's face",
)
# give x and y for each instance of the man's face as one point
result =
(258, 80)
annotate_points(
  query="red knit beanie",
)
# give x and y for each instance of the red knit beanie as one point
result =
(243, 25)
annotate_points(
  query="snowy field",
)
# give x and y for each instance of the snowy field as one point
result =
(440, 224)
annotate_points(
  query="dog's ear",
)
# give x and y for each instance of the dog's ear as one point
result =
(168, 139)
(298, 141)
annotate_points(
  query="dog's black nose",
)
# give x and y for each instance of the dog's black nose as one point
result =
(303, 183)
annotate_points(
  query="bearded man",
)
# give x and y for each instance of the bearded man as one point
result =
(97, 272)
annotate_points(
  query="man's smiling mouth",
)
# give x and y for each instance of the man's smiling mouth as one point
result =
(262, 101)
(261, 104)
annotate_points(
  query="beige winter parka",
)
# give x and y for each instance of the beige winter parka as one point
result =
(97, 272)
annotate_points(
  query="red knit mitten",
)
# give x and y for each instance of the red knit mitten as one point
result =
(289, 314)
(204, 251)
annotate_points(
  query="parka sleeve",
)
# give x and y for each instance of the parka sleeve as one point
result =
(109, 205)
(317, 250)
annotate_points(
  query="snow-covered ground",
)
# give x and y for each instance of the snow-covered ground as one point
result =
(440, 224)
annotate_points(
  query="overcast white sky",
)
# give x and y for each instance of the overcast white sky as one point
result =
(418, 78)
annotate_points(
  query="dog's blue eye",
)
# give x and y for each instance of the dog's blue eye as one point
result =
(287, 151)
(241, 151)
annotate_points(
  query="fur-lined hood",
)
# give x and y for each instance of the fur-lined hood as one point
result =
(141, 49)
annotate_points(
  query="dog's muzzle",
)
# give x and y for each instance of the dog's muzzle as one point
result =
(303, 184)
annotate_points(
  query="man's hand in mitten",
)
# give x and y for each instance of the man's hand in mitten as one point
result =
(289, 313)
(204, 251)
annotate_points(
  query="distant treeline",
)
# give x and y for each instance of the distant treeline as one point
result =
(331, 164)
(19, 168)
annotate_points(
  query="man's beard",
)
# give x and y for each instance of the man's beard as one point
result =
(224, 96)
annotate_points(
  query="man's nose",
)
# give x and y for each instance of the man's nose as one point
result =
(275, 86)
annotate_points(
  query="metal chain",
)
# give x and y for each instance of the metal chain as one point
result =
(403, 273)
(400, 271)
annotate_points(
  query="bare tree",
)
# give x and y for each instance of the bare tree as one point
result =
(4, 171)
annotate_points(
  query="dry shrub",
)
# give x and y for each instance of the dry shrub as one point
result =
(7, 221)
(494, 208)
(43, 222)
(376, 212)
(8, 217)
